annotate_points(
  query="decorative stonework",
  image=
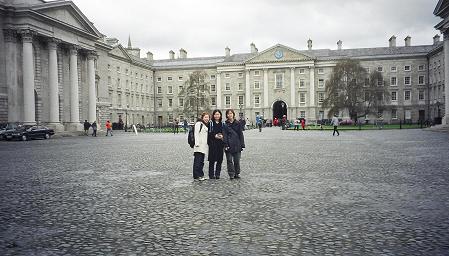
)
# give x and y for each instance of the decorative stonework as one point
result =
(27, 35)
(10, 35)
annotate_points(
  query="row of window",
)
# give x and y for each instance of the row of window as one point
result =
(128, 72)
(407, 68)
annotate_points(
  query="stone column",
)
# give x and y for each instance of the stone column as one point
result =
(265, 88)
(91, 83)
(218, 87)
(28, 78)
(248, 90)
(10, 37)
(74, 91)
(312, 92)
(292, 87)
(53, 84)
(446, 78)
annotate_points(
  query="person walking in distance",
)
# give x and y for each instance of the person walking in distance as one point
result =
(215, 142)
(94, 129)
(259, 122)
(234, 144)
(201, 149)
(86, 127)
(108, 128)
(335, 123)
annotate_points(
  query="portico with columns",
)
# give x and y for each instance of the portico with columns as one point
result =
(50, 65)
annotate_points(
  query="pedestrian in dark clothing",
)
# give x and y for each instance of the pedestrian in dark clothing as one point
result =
(216, 145)
(175, 126)
(86, 127)
(234, 144)
(186, 125)
(94, 129)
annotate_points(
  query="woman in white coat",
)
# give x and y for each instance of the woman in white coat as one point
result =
(200, 150)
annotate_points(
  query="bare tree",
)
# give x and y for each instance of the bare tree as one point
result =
(352, 88)
(196, 93)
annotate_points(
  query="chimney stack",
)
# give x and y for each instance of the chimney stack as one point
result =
(253, 48)
(149, 56)
(171, 55)
(408, 41)
(309, 44)
(182, 54)
(436, 39)
(339, 44)
(227, 52)
(392, 41)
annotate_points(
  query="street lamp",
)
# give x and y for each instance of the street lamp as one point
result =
(126, 117)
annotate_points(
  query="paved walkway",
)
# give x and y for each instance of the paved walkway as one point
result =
(301, 193)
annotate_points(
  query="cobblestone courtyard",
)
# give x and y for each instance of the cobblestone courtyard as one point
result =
(301, 193)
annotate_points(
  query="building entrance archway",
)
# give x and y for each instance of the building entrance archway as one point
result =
(279, 109)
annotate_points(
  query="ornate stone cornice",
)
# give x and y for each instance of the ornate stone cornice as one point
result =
(28, 35)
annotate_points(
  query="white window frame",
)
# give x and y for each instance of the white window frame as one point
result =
(213, 88)
(181, 102)
(258, 83)
(395, 116)
(391, 81)
(212, 77)
(159, 90)
(423, 94)
(213, 101)
(276, 80)
(395, 98)
(169, 89)
(302, 98)
(421, 68)
(321, 99)
(159, 79)
(423, 79)
(303, 81)
(226, 86)
(226, 100)
(180, 78)
(320, 70)
(169, 78)
(302, 71)
(409, 68)
(227, 75)
(393, 69)
(256, 100)
(380, 69)
(170, 103)
(410, 80)
(409, 95)
(242, 102)
(256, 72)
(240, 74)
(240, 86)
(322, 85)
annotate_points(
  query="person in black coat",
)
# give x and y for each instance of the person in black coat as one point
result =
(234, 143)
(215, 141)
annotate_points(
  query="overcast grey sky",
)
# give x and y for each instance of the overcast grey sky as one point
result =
(206, 27)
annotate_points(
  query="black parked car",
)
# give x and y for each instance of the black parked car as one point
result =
(27, 132)
(7, 127)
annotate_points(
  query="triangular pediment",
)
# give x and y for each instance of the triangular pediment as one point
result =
(279, 53)
(67, 13)
(120, 52)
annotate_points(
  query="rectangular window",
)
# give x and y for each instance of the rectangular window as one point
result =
(213, 88)
(228, 100)
(212, 77)
(240, 74)
(159, 89)
(302, 83)
(256, 84)
(213, 101)
(159, 79)
(321, 71)
(421, 68)
(180, 78)
(170, 103)
(279, 80)
(393, 81)
(420, 80)
(118, 69)
(169, 78)
(159, 103)
(380, 69)
(407, 68)
(256, 72)
(320, 83)
(240, 86)
(180, 88)
(227, 87)
(302, 114)
(407, 95)
(393, 69)
(302, 98)
(170, 89)
(301, 71)
(394, 114)
(240, 100)
(119, 85)
(256, 100)
(380, 82)
(407, 80)
(320, 97)
(227, 75)
(394, 96)
(421, 95)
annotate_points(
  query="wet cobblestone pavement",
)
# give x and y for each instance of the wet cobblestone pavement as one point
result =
(301, 193)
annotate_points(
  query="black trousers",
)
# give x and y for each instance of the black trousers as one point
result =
(198, 164)
(214, 169)
(94, 133)
(336, 130)
(233, 163)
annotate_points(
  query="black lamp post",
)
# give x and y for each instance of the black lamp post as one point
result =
(126, 118)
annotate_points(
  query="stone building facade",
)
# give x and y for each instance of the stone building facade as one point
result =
(56, 68)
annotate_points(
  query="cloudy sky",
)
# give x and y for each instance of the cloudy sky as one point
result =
(206, 27)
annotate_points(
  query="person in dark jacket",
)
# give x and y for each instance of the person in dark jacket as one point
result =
(94, 129)
(216, 146)
(86, 127)
(234, 144)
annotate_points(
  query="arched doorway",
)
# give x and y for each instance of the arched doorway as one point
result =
(279, 109)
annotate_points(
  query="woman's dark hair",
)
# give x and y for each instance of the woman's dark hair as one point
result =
(217, 111)
(230, 110)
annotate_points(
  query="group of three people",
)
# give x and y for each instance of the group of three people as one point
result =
(214, 138)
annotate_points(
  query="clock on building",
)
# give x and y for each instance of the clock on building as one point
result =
(279, 54)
